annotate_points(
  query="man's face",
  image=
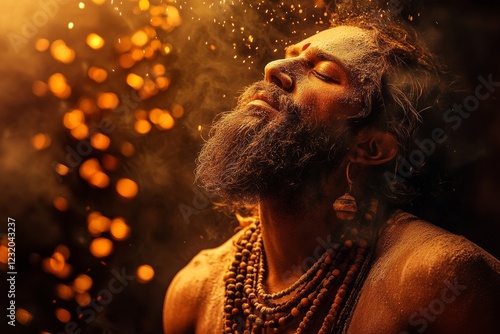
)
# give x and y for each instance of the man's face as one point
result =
(291, 125)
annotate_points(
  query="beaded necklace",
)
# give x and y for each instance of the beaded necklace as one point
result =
(249, 309)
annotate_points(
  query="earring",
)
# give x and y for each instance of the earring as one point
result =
(345, 206)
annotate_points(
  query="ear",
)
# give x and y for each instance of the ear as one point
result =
(373, 147)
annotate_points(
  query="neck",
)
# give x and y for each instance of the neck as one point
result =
(296, 232)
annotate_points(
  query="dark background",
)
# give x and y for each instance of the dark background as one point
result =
(170, 220)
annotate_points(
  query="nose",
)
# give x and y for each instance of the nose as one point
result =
(276, 72)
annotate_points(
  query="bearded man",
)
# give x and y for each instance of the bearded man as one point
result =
(329, 250)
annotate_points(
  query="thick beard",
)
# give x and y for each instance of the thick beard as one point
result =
(254, 154)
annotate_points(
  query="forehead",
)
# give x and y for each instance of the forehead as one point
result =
(351, 45)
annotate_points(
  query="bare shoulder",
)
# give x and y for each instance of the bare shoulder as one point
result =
(190, 292)
(446, 283)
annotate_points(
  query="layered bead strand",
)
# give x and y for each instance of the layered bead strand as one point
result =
(249, 309)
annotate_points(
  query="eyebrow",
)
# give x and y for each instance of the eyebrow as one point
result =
(315, 52)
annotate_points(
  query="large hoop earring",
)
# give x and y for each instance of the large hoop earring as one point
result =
(345, 206)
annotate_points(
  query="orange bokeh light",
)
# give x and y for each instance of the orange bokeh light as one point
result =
(107, 100)
(145, 273)
(101, 247)
(127, 188)
(95, 41)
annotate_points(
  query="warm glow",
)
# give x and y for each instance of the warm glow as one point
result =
(71, 25)
(142, 126)
(63, 315)
(88, 168)
(62, 169)
(40, 141)
(42, 44)
(177, 111)
(126, 188)
(107, 100)
(58, 86)
(87, 105)
(137, 54)
(145, 273)
(100, 141)
(60, 203)
(83, 299)
(126, 60)
(140, 38)
(123, 44)
(144, 5)
(109, 162)
(61, 52)
(166, 121)
(63, 251)
(80, 132)
(23, 316)
(155, 114)
(173, 16)
(101, 247)
(135, 81)
(99, 180)
(64, 291)
(119, 229)
(73, 118)
(97, 223)
(95, 41)
(39, 88)
(82, 283)
(99, 2)
(97, 74)
(162, 83)
(127, 149)
(3, 253)
(158, 69)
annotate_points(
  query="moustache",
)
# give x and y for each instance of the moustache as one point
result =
(274, 96)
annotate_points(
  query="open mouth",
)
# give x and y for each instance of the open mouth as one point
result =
(261, 100)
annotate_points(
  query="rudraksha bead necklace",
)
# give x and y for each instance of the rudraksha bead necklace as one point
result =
(249, 309)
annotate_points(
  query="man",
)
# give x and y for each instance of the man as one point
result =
(329, 252)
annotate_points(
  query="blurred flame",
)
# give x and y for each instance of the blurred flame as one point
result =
(166, 121)
(107, 100)
(82, 283)
(119, 229)
(88, 168)
(127, 188)
(60, 203)
(97, 223)
(64, 291)
(127, 149)
(39, 88)
(62, 169)
(80, 132)
(142, 126)
(42, 44)
(73, 118)
(99, 180)
(40, 141)
(83, 299)
(177, 110)
(123, 44)
(24, 317)
(61, 52)
(95, 41)
(145, 273)
(63, 315)
(135, 81)
(97, 74)
(109, 162)
(144, 5)
(100, 141)
(58, 86)
(101, 247)
(139, 38)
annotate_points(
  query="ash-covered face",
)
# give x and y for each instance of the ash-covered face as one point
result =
(292, 124)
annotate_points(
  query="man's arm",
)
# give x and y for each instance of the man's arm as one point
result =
(179, 316)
